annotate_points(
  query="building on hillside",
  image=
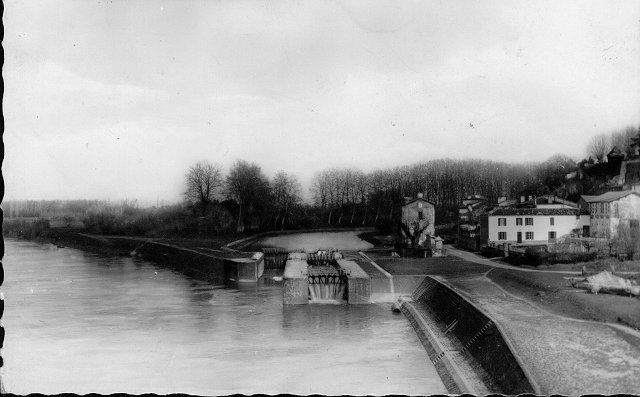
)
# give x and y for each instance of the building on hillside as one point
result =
(418, 220)
(469, 214)
(620, 171)
(611, 209)
(546, 201)
(540, 225)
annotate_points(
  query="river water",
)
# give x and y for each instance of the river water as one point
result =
(79, 322)
(310, 242)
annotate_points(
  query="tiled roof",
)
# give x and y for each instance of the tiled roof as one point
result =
(609, 196)
(416, 199)
(537, 211)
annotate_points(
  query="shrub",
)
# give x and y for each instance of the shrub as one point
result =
(26, 228)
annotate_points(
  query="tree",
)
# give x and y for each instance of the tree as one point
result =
(286, 194)
(204, 181)
(552, 172)
(598, 147)
(628, 240)
(414, 230)
(623, 139)
(249, 187)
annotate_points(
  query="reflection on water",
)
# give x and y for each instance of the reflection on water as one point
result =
(82, 323)
(311, 242)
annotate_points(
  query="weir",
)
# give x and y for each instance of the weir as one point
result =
(324, 277)
(327, 281)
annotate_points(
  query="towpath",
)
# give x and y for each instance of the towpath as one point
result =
(564, 355)
(471, 257)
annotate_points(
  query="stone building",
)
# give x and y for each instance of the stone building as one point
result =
(418, 219)
(611, 209)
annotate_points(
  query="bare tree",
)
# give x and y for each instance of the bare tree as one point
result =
(204, 181)
(622, 139)
(286, 193)
(414, 230)
(248, 186)
(598, 147)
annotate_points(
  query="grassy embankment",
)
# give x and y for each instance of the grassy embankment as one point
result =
(551, 291)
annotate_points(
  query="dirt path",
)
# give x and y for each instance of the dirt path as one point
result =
(471, 257)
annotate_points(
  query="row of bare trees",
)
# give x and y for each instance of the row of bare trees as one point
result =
(348, 196)
(600, 145)
(245, 192)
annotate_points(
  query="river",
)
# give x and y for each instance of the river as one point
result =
(78, 322)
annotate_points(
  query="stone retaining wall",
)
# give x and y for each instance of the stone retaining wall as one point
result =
(476, 336)
(190, 263)
(358, 282)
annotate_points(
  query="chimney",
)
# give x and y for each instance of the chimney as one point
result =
(522, 199)
(419, 195)
(530, 197)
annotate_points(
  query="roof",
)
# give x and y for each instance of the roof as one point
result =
(609, 196)
(416, 199)
(548, 199)
(537, 211)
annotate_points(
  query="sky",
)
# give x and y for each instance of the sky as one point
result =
(116, 99)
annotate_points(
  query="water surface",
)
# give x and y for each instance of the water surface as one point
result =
(78, 322)
(309, 242)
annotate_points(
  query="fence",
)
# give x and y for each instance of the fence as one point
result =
(275, 258)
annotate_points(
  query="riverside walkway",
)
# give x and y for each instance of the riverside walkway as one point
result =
(563, 355)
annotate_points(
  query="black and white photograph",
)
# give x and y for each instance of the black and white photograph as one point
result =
(320, 197)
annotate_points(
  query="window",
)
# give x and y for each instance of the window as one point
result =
(528, 221)
(502, 221)
(551, 221)
(518, 221)
(502, 235)
(552, 236)
(529, 235)
(420, 215)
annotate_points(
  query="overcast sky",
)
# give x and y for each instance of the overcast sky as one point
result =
(115, 99)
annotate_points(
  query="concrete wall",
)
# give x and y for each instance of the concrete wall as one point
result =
(190, 263)
(358, 283)
(295, 290)
(625, 210)
(481, 340)
(242, 270)
(563, 225)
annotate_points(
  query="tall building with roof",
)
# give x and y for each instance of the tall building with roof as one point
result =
(612, 209)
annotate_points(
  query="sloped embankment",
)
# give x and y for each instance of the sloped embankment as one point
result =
(466, 346)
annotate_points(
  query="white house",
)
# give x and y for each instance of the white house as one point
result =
(540, 225)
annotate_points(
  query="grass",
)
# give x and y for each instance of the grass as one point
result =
(554, 293)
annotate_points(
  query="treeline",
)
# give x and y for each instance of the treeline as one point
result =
(621, 140)
(351, 197)
(245, 200)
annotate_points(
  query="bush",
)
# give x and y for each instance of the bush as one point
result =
(25, 228)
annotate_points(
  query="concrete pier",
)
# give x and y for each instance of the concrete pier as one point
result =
(244, 270)
(358, 283)
(295, 290)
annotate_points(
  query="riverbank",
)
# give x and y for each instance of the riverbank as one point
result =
(548, 289)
